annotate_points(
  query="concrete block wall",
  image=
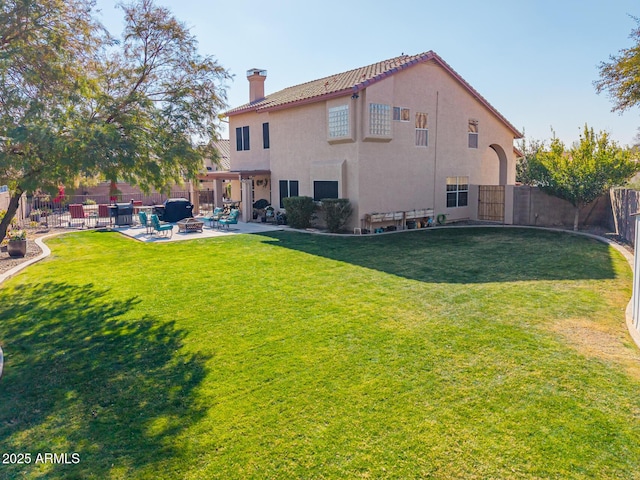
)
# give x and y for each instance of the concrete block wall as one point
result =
(531, 206)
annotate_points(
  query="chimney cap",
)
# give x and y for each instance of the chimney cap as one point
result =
(256, 71)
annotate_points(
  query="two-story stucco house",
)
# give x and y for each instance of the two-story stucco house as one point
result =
(402, 134)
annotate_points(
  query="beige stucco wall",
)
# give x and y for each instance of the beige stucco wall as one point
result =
(257, 157)
(389, 173)
(400, 176)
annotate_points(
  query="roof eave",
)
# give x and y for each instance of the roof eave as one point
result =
(296, 103)
(430, 55)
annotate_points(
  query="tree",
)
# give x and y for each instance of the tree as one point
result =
(44, 48)
(584, 172)
(81, 104)
(621, 75)
(526, 167)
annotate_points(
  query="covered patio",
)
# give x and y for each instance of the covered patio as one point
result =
(246, 187)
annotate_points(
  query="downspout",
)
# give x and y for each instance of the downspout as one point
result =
(435, 154)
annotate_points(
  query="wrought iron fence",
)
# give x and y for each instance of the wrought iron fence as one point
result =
(48, 211)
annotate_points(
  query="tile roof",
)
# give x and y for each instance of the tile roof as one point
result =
(224, 149)
(352, 82)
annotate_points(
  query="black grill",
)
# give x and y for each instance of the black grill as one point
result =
(121, 213)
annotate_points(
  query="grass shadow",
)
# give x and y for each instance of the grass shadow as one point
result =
(80, 379)
(464, 255)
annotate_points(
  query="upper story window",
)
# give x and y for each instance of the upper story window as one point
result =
(242, 138)
(379, 119)
(339, 121)
(473, 133)
(422, 132)
(265, 135)
(401, 114)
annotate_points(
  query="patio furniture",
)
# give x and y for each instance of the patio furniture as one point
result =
(189, 225)
(176, 209)
(77, 214)
(103, 216)
(215, 216)
(230, 219)
(144, 221)
(148, 210)
(165, 229)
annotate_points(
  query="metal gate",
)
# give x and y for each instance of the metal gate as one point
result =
(491, 203)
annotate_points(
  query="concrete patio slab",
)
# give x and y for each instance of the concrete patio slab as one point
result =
(140, 233)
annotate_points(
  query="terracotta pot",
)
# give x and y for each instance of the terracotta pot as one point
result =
(17, 248)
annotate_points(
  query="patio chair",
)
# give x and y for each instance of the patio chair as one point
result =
(104, 215)
(144, 221)
(77, 214)
(230, 219)
(215, 216)
(165, 229)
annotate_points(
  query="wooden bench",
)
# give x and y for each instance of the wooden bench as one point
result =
(399, 219)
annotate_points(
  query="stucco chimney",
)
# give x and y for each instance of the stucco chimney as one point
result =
(256, 79)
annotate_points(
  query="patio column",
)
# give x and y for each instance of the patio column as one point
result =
(218, 191)
(247, 201)
(195, 197)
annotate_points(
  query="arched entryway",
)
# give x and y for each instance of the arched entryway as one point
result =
(491, 198)
(502, 162)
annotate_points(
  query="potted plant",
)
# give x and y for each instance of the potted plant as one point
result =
(17, 245)
(35, 215)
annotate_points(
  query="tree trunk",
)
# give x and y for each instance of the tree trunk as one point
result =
(575, 219)
(14, 201)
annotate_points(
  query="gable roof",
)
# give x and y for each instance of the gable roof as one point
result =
(353, 81)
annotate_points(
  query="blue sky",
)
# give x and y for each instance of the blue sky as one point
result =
(535, 61)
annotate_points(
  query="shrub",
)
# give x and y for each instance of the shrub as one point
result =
(336, 213)
(299, 211)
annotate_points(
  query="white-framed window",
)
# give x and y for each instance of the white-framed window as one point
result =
(473, 133)
(457, 192)
(379, 119)
(339, 121)
(422, 129)
(401, 114)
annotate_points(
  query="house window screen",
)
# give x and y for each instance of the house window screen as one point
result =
(339, 121)
(473, 134)
(379, 119)
(265, 135)
(422, 132)
(457, 191)
(288, 188)
(242, 138)
(324, 189)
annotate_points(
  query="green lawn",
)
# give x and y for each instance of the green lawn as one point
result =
(454, 353)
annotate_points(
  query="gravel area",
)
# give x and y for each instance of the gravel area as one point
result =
(7, 262)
